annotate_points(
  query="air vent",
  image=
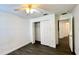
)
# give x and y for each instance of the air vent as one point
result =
(63, 13)
(45, 14)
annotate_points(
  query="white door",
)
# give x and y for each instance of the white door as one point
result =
(71, 35)
(47, 33)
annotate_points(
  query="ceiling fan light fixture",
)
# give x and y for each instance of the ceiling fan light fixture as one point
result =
(27, 10)
(30, 11)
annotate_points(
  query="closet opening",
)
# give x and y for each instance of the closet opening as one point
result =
(37, 32)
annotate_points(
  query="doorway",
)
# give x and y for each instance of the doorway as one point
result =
(65, 34)
(64, 28)
(37, 32)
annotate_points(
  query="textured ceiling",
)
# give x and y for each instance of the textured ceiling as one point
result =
(43, 8)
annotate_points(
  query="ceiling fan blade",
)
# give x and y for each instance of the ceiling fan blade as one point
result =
(27, 6)
(18, 9)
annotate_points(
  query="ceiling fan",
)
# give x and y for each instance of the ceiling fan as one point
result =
(29, 8)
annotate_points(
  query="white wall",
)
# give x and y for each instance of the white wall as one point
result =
(14, 32)
(76, 22)
(63, 28)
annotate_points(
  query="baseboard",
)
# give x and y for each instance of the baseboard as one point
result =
(15, 48)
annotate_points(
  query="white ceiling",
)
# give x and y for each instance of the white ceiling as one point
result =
(43, 8)
(58, 8)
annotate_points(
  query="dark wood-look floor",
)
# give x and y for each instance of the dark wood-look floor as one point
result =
(38, 49)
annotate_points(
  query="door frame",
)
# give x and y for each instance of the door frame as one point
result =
(73, 40)
(73, 32)
(33, 31)
(33, 28)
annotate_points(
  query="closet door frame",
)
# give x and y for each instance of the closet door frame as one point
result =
(33, 31)
(40, 19)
